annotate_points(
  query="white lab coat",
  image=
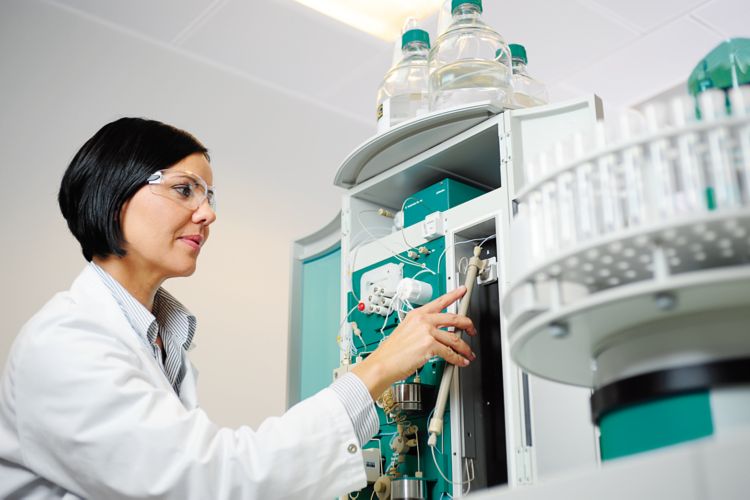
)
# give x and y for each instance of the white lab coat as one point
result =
(85, 411)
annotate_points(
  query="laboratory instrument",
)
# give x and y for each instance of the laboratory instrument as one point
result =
(611, 289)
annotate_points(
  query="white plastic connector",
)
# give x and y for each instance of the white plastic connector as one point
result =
(355, 329)
(371, 457)
(432, 226)
(436, 428)
(398, 220)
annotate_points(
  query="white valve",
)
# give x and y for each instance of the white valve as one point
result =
(413, 291)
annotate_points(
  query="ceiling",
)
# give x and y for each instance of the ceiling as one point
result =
(625, 52)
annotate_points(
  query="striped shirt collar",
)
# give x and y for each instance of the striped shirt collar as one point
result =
(169, 315)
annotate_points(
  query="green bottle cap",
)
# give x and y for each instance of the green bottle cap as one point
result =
(415, 35)
(456, 3)
(518, 51)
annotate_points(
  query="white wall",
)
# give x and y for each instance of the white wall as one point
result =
(62, 76)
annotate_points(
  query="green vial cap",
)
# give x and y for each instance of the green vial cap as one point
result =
(415, 35)
(456, 3)
(518, 52)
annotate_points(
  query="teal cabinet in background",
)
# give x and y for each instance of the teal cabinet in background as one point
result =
(315, 312)
(321, 297)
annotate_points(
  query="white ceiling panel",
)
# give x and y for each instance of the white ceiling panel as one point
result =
(356, 91)
(285, 45)
(160, 19)
(729, 17)
(575, 46)
(648, 66)
(561, 36)
(645, 15)
(561, 92)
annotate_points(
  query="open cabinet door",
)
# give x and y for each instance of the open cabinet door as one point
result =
(314, 312)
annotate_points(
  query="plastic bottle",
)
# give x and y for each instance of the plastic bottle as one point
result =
(527, 91)
(403, 94)
(464, 67)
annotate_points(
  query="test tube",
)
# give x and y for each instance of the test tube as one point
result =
(608, 194)
(722, 172)
(633, 163)
(520, 234)
(536, 230)
(664, 190)
(551, 233)
(739, 98)
(566, 209)
(565, 197)
(548, 217)
(699, 196)
(545, 163)
(531, 172)
(584, 190)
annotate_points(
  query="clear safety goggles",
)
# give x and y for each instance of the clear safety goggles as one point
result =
(185, 188)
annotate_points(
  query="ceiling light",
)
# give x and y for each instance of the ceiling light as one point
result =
(381, 18)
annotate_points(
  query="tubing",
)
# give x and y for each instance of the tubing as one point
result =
(436, 423)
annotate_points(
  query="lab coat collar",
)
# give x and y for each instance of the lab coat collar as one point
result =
(90, 292)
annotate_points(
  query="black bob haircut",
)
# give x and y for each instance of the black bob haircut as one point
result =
(108, 170)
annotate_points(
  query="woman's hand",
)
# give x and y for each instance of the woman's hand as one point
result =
(417, 339)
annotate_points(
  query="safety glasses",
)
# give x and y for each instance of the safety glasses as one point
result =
(185, 188)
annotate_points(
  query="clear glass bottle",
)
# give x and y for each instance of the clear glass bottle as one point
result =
(403, 94)
(464, 67)
(527, 91)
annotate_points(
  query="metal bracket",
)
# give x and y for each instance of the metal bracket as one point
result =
(346, 223)
(523, 465)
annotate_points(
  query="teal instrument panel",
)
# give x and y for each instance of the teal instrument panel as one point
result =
(429, 268)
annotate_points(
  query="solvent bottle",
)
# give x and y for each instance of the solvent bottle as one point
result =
(464, 67)
(403, 94)
(527, 91)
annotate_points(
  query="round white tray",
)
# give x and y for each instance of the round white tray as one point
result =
(561, 344)
(560, 313)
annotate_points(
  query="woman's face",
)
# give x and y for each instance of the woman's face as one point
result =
(163, 237)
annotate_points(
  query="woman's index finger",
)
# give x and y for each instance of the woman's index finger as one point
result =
(444, 301)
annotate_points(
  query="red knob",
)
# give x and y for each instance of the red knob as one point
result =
(361, 306)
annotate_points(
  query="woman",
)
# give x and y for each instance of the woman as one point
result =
(98, 396)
